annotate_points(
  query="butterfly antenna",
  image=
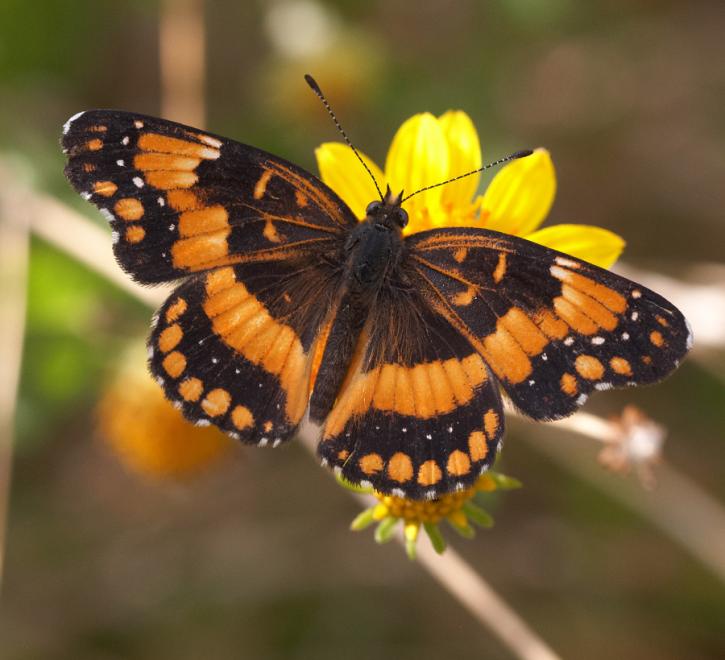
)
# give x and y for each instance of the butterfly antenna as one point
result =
(316, 89)
(500, 161)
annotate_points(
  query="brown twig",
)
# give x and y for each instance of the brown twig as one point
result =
(182, 44)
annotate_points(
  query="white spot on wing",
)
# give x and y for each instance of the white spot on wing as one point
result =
(66, 126)
(125, 140)
(138, 181)
(690, 336)
(120, 162)
(86, 195)
(636, 293)
(635, 316)
(107, 215)
(603, 386)
(567, 263)
(202, 422)
(597, 341)
(568, 341)
(581, 399)
(212, 142)
(114, 237)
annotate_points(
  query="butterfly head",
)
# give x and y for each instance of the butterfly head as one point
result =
(388, 213)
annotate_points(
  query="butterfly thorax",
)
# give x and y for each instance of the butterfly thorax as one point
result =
(375, 245)
(373, 252)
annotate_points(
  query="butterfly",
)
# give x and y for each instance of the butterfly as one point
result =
(398, 348)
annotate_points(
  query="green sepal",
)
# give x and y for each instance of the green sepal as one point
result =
(436, 538)
(350, 486)
(384, 531)
(479, 516)
(466, 531)
(504, 482)
(410, 548)
(363, 520)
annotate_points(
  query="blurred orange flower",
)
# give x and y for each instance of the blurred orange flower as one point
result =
(147, 433)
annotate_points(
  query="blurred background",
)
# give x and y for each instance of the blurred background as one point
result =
(130, 535)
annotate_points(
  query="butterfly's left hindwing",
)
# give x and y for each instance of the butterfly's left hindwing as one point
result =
(181, 200)
(234, 347)
(551, 327)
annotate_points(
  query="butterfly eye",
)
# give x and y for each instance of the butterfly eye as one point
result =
(401, 217)
(373, 208)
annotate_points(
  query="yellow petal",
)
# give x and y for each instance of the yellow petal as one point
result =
(593, 244)
(465, 155)
(520, 195)
(418, 157)
(411, 530)
(341, 170)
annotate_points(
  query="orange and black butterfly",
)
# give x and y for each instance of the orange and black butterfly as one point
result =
(397, 347)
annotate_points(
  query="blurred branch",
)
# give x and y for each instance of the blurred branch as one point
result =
(182, 58)
(14, 248)
(678, 506)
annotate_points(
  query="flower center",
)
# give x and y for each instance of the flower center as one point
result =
(425, 511)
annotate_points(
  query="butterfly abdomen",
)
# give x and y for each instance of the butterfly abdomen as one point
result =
(372, 253)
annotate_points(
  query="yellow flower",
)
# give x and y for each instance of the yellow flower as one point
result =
(427, 150)
(455, 508)
(147, 433)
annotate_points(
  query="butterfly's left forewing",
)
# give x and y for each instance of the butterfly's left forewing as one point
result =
(181, 200)
(551, 327)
